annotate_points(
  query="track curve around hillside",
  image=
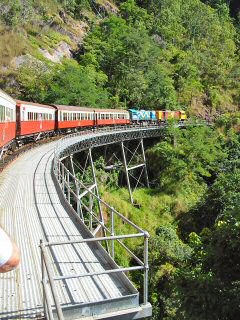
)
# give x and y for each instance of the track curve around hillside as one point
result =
(30, 211)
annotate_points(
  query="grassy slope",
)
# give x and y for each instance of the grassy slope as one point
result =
(36, 27)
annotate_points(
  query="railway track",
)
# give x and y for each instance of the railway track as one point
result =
(11, 156)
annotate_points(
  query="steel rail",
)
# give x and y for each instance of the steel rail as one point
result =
(73, 276)
(126, 236)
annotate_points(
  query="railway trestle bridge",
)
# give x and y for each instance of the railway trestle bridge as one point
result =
(75, 274)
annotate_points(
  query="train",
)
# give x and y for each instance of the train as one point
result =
(22, 121)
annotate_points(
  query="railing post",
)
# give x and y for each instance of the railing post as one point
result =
(90, 211)
(46, 301)
(112, 234)
(51, 282)
(63, 179)
(68, 188)
(146, 268)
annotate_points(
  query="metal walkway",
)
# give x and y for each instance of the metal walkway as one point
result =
(30, 210)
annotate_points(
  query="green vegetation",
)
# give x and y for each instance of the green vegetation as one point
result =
(162, 54)
(193, 217)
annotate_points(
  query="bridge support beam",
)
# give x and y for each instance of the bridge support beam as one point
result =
(133, 161)
(85, 186)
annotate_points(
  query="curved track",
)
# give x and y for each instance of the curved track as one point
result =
(30, 210)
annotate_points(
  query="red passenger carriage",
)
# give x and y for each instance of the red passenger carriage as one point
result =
(69, 117)
(7, 120)
(34, 118)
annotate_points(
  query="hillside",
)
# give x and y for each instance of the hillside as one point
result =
(157, 54)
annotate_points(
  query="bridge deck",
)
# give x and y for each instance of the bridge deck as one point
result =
(30, 210)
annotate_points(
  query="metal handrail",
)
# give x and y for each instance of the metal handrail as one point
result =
(64, 178)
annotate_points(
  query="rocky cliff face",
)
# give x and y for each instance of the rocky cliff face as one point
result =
(46, 32)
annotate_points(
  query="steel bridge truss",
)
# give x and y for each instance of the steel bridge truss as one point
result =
(105, 229)
(79, 188)
(85, 196)
(134, 160)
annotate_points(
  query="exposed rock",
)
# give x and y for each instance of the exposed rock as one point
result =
(77, 32)
(28, 61)
(63, 50)
(105, 7)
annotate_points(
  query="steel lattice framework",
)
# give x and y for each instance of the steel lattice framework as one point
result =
(84, 140)
(89, 206)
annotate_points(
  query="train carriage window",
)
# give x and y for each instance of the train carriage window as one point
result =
(8, 114)
(2, 113)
